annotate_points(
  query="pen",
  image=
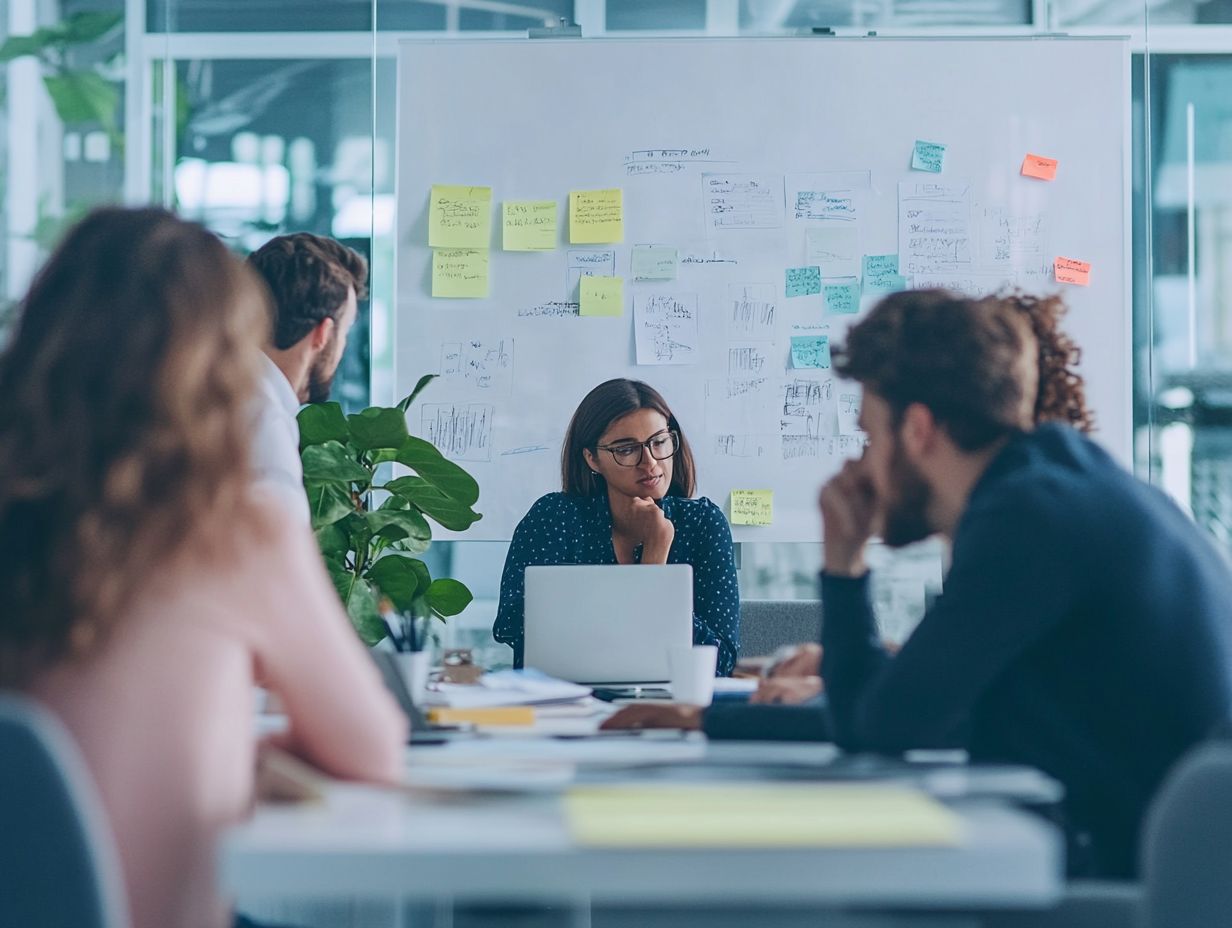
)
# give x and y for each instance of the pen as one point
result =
(386, 611)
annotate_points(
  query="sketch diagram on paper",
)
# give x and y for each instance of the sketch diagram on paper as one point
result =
(753, 311)
(666, 330)
(807, 419)
(481, 363)
(934, 227)
(462, 431)
(746, 361)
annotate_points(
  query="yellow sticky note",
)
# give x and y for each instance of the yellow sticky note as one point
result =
(596, 217)
(460, 272)
(459, 216)
(758, 815)
(602, 296)
(530, 225)
(752, 507)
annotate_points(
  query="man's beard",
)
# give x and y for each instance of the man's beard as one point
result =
(320, 382)
(906, 515)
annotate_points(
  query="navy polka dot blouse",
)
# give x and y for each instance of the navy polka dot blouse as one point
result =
(562, 529)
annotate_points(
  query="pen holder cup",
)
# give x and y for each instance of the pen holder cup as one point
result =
(415, 666)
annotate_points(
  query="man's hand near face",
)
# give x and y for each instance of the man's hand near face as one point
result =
(849, 513)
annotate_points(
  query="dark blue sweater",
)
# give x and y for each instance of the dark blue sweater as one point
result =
(1085, 629)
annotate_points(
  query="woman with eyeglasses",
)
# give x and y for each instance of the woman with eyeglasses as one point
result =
(627, 478)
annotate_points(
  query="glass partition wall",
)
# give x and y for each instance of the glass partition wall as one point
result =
(258, 117)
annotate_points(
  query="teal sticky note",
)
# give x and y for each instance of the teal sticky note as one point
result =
(810, 351)
(843, 298)
(877, 265)
(928, 156)
(884, 283)
(803, 281)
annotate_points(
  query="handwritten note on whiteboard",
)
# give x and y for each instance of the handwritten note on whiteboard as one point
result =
(1071, 271)
(602, 296)
(752, 507)
(459, 216)
(460, 273)
(1039, 167)
(529, 225)
(803, 281)
(596, 217)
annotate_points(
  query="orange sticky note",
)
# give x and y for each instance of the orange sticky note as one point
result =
(1037, 166)
(1069, 271)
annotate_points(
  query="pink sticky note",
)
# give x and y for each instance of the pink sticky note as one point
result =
(1069, 271)
(1037, 166)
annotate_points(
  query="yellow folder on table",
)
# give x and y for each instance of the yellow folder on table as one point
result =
(759, 815)
(492, 715)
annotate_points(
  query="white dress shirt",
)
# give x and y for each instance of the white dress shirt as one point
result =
(275, 441)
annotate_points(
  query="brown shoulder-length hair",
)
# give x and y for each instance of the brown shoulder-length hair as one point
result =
(124, 426)
(601, 407)
(1061, 396)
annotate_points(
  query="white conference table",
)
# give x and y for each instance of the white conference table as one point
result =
(515, 847)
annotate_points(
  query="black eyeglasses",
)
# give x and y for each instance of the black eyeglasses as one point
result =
(629, 454)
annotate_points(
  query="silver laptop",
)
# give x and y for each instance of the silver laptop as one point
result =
(607, 623)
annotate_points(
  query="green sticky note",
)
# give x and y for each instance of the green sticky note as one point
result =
(596, 217)
(928, 156)
(810, 351)
(653, 262)
(529, 225)
(460, 272)
(602, 296)
(459, 217)
(842, 298)
(752, 507)
(803, 281)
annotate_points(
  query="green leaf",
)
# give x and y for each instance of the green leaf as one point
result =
(426, 379)
(433, 503)
(321, 422)
(89, 25)
(333, 541)
(360, 600)
(328, 502)
(448, 597)
(400, 578)
(83, 96)
(17, 46)
(423, 458)
(400, 524)
(378, 427)
(331, 461)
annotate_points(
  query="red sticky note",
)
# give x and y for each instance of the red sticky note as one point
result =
(1069, 271)
(1037, 166)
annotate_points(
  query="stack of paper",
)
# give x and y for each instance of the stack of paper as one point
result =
(756, 815)
(507, 688)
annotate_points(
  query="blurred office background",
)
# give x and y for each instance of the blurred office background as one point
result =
(258, 117)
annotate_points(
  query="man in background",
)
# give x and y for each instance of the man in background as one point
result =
(315, 284)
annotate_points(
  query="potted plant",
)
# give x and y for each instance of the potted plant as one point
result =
(370, 551)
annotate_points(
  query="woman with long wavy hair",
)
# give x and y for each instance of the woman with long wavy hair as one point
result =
(144, 586)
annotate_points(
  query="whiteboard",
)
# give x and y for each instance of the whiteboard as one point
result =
(748, 157)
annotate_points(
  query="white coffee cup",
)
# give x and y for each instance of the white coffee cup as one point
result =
(692, 673)
(415, 666)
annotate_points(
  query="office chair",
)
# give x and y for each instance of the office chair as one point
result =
(1187, 843)
(58, 865)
